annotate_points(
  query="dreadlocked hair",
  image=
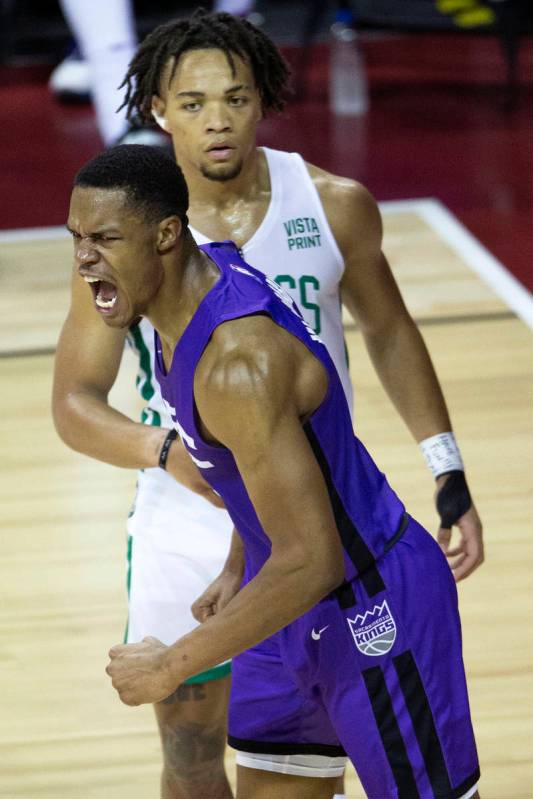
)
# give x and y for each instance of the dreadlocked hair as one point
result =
(204, 30)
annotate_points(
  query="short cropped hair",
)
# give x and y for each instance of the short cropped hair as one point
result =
(203, 30)
(152, 181)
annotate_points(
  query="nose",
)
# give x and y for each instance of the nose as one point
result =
(217, 118)
(85, 253)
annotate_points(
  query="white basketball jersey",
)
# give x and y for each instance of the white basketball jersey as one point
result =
(293, 245)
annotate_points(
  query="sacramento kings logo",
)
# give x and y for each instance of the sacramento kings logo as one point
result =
(375, 632)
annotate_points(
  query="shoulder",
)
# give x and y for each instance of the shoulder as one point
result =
(245, 356)
(350, 208)
(244, 379)
(254, 378)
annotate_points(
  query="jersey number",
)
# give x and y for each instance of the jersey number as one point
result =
(304, 283)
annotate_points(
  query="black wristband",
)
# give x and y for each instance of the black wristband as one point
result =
(163, 455)
(453, 499)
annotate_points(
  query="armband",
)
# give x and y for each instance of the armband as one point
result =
(442, 454)
(163, 455)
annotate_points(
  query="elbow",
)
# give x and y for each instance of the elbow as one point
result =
(67, 420)
(312, 575)
(61, 415)
(381, 333)
(326, 573)
(334, 576)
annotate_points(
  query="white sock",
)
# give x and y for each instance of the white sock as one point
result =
(105, 33)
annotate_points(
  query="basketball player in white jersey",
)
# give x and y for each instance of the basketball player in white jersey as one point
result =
(208, 80)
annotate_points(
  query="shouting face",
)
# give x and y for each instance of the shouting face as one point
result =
(115, 252)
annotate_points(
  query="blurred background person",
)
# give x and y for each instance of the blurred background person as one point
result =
(105, 39)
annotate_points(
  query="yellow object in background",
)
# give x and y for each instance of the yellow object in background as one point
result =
(452, 6)
(467, 13)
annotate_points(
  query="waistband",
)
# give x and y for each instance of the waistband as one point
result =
(344, 594)
(397, 535)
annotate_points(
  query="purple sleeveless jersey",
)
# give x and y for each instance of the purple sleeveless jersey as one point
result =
(367, 511)
(375, 669)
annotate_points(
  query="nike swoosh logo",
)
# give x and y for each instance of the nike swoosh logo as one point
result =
(316, 636)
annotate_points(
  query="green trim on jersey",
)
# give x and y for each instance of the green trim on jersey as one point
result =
(216, 673)
(151, 417)
(144, 380)
(144, 383)
(128, 581)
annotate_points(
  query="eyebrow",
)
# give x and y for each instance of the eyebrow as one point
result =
(98, 232)
(232, 89)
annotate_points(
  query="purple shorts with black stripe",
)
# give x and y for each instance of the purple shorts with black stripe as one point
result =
(380, 678)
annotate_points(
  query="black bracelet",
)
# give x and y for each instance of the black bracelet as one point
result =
(163, 455)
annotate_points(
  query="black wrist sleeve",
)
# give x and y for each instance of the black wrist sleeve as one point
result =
(453, 499)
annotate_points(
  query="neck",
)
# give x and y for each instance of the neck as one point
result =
(217, 194)
(188, 276)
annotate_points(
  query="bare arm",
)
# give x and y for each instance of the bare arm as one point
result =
(394, 343)
(224, 587)
(283, 481)
(371, 294)
(287, 490)
(86, 365)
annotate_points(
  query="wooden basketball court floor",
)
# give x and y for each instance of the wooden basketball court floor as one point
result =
(63, 732)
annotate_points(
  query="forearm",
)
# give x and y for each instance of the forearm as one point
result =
(235, 560)
(404, 367)
(89, 425)
(275, 597)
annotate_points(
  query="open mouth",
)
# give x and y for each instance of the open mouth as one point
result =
(104, 293)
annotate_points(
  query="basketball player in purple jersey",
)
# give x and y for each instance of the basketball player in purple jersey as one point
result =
(345, 632)
(317, 234)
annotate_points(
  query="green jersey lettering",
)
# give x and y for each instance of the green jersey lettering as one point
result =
(306, 225)
(288, 279)
(305, 283)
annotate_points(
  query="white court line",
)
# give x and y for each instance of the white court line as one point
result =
(437, 216)
(29, 233)
(471, 251)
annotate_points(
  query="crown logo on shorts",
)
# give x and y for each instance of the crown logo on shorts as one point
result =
(374, 632)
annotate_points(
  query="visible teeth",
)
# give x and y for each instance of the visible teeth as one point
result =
(89, 279)
(104, 304)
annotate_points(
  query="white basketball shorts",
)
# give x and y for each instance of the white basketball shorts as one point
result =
(177, 545)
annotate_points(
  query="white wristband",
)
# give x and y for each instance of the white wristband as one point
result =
(442, 454)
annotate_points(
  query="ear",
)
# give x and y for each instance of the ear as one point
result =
(168, 234)
(158, 112)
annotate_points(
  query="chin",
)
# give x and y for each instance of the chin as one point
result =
(121, 322)
(221, 172)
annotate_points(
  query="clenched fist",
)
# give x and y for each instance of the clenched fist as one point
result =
(141, 672)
